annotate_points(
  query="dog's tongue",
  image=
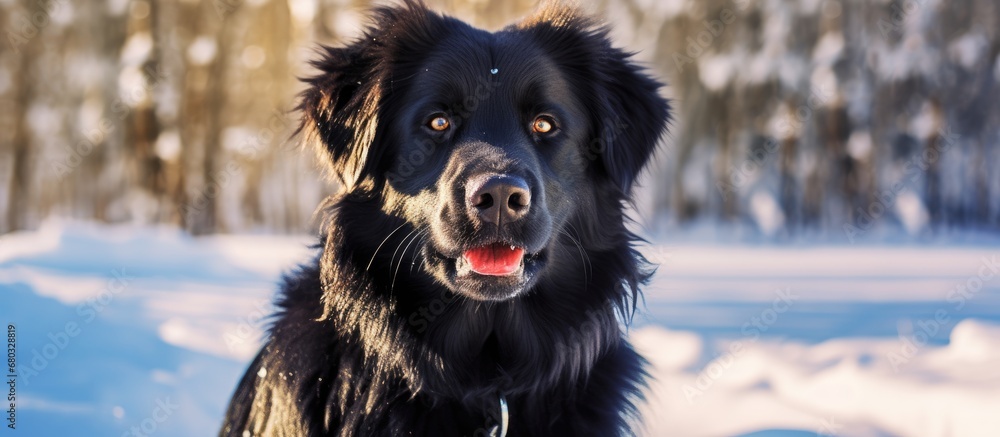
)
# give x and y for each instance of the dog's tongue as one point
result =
(495, 259)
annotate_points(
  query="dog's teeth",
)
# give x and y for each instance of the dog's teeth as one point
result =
(512, 248)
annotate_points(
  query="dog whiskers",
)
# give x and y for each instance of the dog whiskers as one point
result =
(584, 258)
(416, 250)
(579, 246)
(380, 246)
(392, 259)
(415, 234)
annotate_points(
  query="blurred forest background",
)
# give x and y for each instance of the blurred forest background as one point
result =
(832, 117)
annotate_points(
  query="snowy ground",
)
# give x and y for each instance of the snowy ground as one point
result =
(149, 328)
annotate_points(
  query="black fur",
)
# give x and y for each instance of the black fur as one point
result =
(382, 334)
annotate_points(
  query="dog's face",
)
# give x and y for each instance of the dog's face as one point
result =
(490, 146)
(489, 161)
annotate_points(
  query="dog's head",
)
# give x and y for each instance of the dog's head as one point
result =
(502, 150)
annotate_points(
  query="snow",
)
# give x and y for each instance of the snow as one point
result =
(716, 71)
(168, 145)
(343, 22)
(968, 49)
(62, 14)
(757, 69)
(853, 383)
(766, 211)
(743, 339)
(90, 114)
(202, 50)
(911, 58)
(829, 48)
(43, 119)
(116, 7)
(662, 10)
(824, 80)
(912, 212)
(859, 145)
(137, 48)
(302, 10)
(925, 123)
(238, 139)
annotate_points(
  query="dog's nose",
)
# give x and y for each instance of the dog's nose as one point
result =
(498, 199)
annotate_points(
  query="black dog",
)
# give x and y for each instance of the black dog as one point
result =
(476, 271)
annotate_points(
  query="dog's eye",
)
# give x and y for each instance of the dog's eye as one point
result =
(439, 123)
(543, 125)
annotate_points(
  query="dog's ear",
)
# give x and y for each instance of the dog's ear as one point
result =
(339, 110)
(627, 112)
(340, 106)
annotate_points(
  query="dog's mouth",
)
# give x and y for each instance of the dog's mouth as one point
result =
(490, 272)
(495, 259)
